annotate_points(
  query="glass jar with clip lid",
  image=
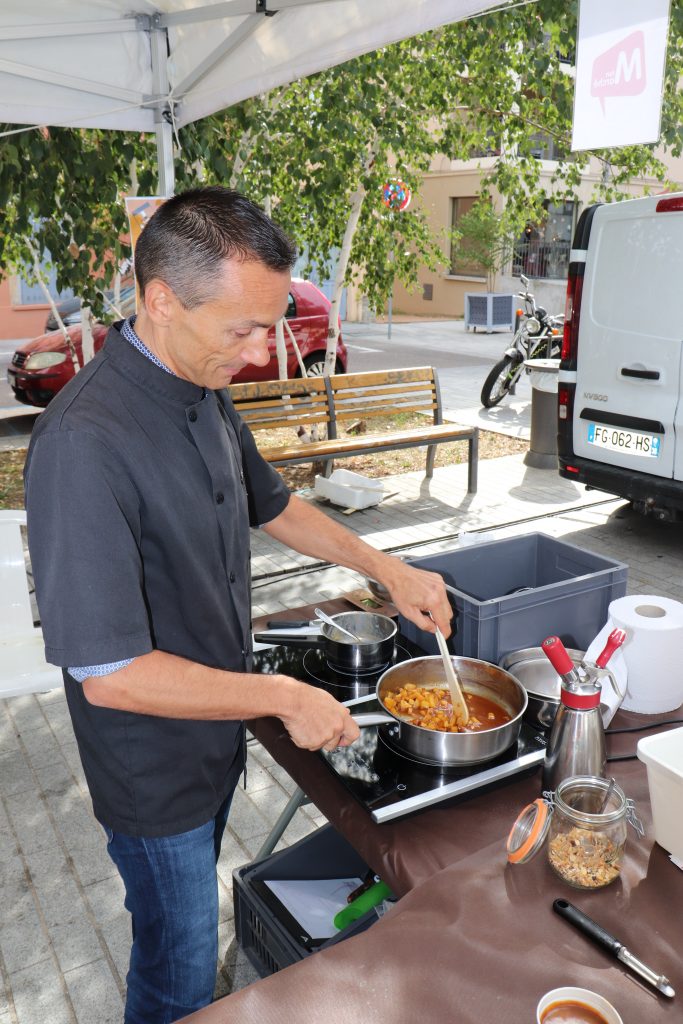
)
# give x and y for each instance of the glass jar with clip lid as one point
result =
(583, 824)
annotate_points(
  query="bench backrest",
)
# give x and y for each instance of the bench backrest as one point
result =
(385, 393)
(268, 404)
(341, 398)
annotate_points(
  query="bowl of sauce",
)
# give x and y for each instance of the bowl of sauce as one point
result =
(575, 1006)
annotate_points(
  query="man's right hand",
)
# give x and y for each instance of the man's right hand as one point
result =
(316, 721)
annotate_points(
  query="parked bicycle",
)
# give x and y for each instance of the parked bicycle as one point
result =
(538, 336)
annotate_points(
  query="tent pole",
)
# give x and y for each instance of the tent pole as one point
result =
(163, 127)
(166, 176)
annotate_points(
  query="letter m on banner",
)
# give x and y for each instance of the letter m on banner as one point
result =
(632, 49)
(620, 70)
(620, 63)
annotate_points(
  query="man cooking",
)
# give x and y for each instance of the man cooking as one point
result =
(141, 486)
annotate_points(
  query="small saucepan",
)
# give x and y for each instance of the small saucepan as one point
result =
(450, 748)
(374, 649)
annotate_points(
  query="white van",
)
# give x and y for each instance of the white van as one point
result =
(619, 402)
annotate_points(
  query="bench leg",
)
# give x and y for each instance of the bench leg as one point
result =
(473, 465)
(431, 452)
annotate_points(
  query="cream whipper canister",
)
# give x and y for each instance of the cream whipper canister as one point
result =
(577, 739)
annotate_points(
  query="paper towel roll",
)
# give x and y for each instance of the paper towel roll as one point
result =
(653, 651)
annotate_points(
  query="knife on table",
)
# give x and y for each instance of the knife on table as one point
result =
(604, 938)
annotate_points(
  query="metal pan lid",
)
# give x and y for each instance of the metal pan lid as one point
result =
(533, 670)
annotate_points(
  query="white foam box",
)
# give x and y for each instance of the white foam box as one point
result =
(350, 490)
(662, 754)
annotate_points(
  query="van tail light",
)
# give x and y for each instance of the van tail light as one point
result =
(565, 415)
(563, 402)
(572, 314)
(672, 204)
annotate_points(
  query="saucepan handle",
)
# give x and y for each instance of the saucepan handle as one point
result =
(373, 718)
(290, 639)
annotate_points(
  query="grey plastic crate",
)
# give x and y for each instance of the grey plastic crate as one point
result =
(266, 941)
(512, 593)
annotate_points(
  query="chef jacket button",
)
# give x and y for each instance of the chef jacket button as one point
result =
(232, 577)
(192, 415)
(220, 498)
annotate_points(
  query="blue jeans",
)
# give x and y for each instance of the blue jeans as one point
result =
(172, 895)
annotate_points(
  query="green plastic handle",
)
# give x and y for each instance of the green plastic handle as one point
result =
(366, 901)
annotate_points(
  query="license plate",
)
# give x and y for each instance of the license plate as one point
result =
(631, 442)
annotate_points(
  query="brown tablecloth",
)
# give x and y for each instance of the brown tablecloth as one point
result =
(478, 943)
(473, 940)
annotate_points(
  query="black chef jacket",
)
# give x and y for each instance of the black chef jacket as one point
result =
(140, 491)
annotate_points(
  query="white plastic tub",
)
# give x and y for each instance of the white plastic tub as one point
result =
(350, 490)
(663, 756)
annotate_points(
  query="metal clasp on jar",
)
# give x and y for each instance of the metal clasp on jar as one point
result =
(633, 819)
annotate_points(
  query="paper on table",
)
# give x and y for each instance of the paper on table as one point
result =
(313, 902)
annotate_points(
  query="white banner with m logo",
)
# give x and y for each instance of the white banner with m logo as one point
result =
(621, 53)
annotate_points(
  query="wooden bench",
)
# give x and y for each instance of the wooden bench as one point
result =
(346, 398)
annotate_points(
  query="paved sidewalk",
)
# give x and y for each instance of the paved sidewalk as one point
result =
(463, 360)
(64, 935)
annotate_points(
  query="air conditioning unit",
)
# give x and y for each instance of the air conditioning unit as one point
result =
(490, 311)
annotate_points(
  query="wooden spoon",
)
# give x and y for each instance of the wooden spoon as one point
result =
(458, 702)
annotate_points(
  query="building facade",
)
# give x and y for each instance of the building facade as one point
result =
(542, 253)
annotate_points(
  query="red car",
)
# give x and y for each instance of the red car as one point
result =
(42, 367)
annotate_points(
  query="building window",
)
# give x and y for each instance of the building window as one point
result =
(460, 264)
(491, 147)
(33, 294)
(543, 249)
(545, 147)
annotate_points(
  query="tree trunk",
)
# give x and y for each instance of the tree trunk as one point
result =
(55, 312)
(281, 349)
(250, 138)
(87, 342)
(280, 346)
(351, 224)
(297, 350)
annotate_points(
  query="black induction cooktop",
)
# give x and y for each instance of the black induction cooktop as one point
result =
(387, 782)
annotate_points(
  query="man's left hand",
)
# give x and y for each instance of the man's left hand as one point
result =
(416, 592)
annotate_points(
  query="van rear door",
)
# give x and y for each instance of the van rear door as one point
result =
(629, 351)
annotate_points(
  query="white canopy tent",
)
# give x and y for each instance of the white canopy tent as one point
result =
(141, 66)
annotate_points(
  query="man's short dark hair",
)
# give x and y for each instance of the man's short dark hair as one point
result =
(186, 241)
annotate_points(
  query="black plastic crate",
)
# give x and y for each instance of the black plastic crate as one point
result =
(268, 944)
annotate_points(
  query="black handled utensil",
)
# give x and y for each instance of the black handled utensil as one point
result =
(604, 938)
(288, 624)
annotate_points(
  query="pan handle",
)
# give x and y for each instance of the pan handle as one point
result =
(290, 639)
(373, 718)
